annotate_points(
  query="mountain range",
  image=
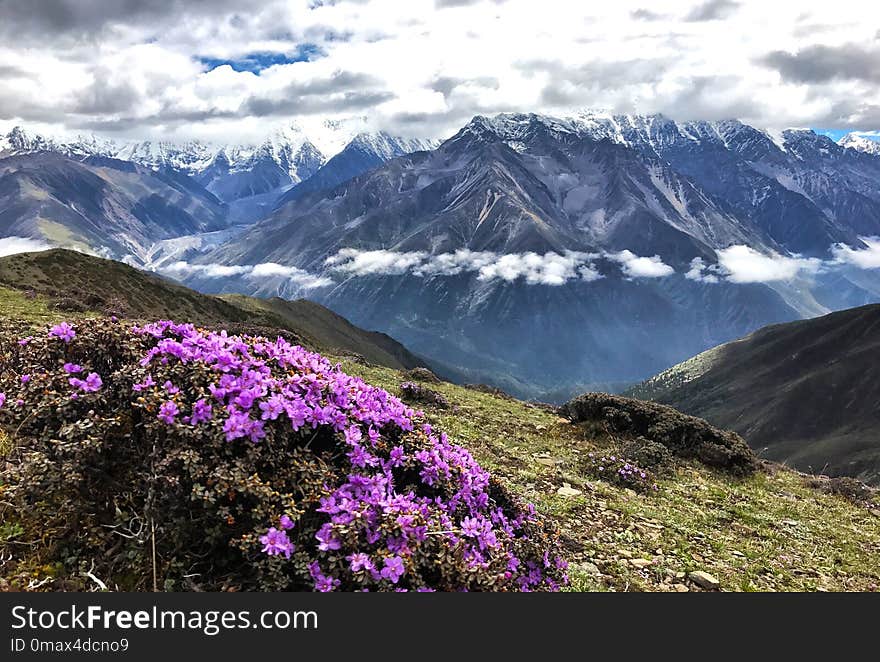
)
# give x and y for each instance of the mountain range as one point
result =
(624, 243)
(246, 178)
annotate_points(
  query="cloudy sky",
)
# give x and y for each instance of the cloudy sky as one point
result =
(229, 69)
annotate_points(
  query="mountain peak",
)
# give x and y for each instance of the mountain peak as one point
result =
(860, 143)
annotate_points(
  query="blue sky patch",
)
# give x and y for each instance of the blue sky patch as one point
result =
(256, 62)
(834, 134)
(837, 134)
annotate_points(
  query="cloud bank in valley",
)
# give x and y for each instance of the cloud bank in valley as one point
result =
(266, 270)
(736, 264)
(535, 269)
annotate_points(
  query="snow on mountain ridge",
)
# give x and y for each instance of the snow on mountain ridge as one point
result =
(860, 143)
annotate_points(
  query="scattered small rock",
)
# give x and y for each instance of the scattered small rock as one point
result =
(704, 580)
(681, 588)
(568, 491)
(641, 563)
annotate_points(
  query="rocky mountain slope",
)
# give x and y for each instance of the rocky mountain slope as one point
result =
(804, 393)
(99, 203)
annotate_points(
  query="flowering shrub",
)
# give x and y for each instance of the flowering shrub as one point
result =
(247, 464)
(620, 471)
(417, 393)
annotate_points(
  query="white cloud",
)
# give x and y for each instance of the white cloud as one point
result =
(547, 269)
(742, 264)
(535, 269)
(736, 264)
(143, 70)
(863, 258)
(265, 270)
(635, 266)
(452, 264)
(14, 245)
(364, 263)
(701, 272)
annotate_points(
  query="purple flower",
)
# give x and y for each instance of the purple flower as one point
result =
(25, 341)
(359, 562)
(25, 379)
(272, 408)
(72, 368)
(148, 382)
(276, 542)
(90, 384)
(2, 399)
(170, 388)
(168, 411)
(202, 411)
(396, 456)
(63, 332)
(360, 458)
(326, 540)
(393, 570)
(353, 435)
(286, 523)
(93, 382)
(471, 527)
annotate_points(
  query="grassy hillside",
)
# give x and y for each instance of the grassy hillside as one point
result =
(804, 393)
(774, 531)
(65, 281)
(777, 530)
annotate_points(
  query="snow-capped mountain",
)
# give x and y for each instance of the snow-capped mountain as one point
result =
(365, 152)
(240, 183)
(21, 141)
(190, 157)
(860, 144)
(99, 204)
(249, 177)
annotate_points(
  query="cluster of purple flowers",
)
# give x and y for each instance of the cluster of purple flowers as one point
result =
(619, 470)
(406, 483)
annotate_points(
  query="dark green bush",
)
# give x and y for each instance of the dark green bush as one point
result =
(685, 436)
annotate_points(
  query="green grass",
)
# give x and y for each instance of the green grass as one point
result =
(15, 305)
